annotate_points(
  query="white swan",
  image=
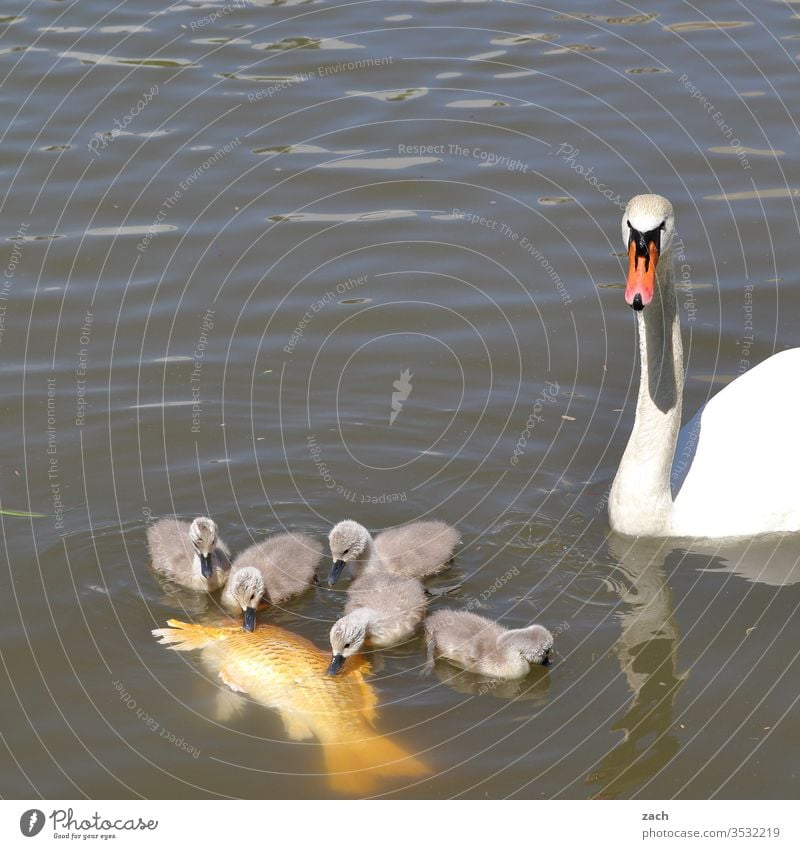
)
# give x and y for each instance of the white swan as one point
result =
(744, 472)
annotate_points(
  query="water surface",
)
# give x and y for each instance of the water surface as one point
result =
(229, 229)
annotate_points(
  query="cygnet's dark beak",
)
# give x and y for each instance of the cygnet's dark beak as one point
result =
(249, 619)
(337, 661)
(336, 571)
(206, 566)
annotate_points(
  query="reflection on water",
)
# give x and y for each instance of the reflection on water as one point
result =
(647, 650)
(696, 26)
(372, 215)
(533, 687)
(756, 194)
(391, 95)
(750, 151)
(104, 59)
(772, 561)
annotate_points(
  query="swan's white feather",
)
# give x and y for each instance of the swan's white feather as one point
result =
(745, 473)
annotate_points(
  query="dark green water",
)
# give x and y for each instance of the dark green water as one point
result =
(421, 186)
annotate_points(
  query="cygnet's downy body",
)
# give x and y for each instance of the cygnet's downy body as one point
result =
(382, 610)
(189, 553)
(417, 550)
(272, 571)
(484, 647)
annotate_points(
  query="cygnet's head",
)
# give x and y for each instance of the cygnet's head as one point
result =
(347, 637)
(535, 643)
(203, 536)
(247, 589)
(648, 226)
(348, 541)
(532, 643)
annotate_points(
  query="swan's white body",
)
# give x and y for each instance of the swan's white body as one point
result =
(744, 470)
(745, 476)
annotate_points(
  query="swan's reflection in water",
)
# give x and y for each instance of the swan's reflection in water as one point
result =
(772, 560)
(647, 648)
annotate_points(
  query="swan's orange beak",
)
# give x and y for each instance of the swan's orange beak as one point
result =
(641, 275)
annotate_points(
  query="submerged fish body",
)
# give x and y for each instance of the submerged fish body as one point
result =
(287, 673)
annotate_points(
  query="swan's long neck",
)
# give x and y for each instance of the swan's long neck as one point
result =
(640, 502)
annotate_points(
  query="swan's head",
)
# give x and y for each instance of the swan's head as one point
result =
(347, 637)
(247, 589)
(203, 536)
(647, 228)
(348, 541)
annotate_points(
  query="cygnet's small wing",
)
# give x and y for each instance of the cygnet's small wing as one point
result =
(418, 550)
(171, 551)
(397, 605)
(292, 562)
(289, 564)
(462, 636)
(386, 593)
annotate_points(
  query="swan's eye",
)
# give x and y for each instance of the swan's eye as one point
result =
(346, 551)
(347, 645)
(630, 226)
(662, 225)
